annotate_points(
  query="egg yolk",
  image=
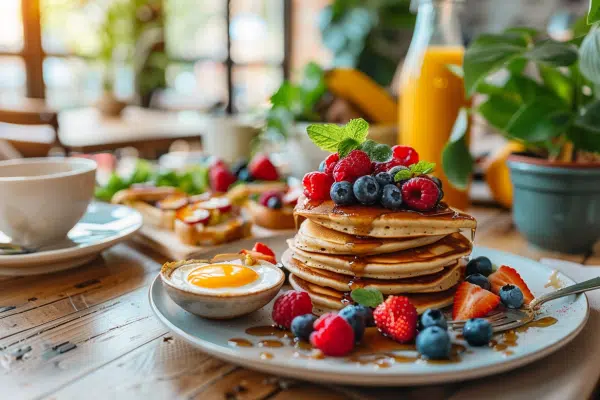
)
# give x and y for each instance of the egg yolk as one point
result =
(222, 275)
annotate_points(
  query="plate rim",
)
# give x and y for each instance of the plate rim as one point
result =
(379, 379)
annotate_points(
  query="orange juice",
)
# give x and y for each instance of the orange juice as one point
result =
(430, 99)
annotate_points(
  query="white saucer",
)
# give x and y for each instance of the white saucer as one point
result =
(102, 226)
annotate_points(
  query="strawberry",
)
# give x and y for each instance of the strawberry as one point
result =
(259, 256)
(506, 275)
(352, 167)
(317, 185)
(405, 154)
(261, 168)
(471, 301)
(220, 178)
(263, 249)
(397, 318)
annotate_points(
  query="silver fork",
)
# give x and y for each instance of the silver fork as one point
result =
(507, 318)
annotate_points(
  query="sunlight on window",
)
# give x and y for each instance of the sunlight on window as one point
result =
(252, 86)
(12, 77)
(11, 25)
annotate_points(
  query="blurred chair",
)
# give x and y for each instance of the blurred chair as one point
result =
(30, 126)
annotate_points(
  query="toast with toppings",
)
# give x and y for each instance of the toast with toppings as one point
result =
(158, 205)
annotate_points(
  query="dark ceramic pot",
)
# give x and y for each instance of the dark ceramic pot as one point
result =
(556, 206)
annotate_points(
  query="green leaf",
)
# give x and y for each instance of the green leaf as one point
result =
(402, 175)
(457, 161)
(422, 167)
(523, 31)
(498, 111)
(357, 129)
(377, 151)
(561, 85)
(481, 61)
(507, 38)
(326, 136)
(538, 121)
(589, 62)
(287, 96)
(589, 120)
(594, 12)
(346, 146)
(367, 297)
(517, 66)
(583, 139)
(553, 53)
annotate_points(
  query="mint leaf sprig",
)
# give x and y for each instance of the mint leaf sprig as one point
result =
(420, 168)
(344, 139)
(369, 297)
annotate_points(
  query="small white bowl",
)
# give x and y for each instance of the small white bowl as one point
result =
(219, 305)
(41, 199)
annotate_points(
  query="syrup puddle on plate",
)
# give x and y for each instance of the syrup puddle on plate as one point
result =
(503, 341)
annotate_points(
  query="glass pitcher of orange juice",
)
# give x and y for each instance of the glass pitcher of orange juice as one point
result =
(430, 94)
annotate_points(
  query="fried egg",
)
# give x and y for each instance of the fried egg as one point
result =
(227, 277)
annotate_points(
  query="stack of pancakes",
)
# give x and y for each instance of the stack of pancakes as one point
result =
(340, 248)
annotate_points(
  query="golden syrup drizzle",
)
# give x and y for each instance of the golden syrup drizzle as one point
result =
(266, 356)
(553, 281)
(239, 342)
(268, 330)
(270, 343)
(510, 338)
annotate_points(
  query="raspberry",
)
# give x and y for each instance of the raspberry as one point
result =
(220, 178)
(421, 194)
(333, 335)
(386, 166)
(261, 168)
(330, 163)
(264, 198)
(317, 185)
(289, 305)
(397, 318)
(406, 154)
(352, 167)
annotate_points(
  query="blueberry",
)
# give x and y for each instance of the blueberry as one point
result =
(480, 265)
(394, 170)
(479, 280)
(367, 312)
(244, 175)
(238, 167)
(274, 202)
(356, 319)
(511, 296)
(341, 193)
(366, 189)
(434, 343)
(384, 178)
(322, 166)
(437, 181)
(391, 197)
(302, 326)
(440, 196)
(477, 332)
(432, 317)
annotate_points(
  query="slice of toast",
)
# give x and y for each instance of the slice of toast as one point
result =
(236, 227)
(146, 200)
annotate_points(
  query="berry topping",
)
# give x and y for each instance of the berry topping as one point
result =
(262, 168)
(397, 169)
(366, 190)
(220, 178)
(471, 301)
(244, 175)
(436, 180)
(352, 167)
(341, 193)
(173, 202)
(223, 204)
(264, 198)
(406, 154)
(434, 343)
(333, 335)
(302, 326)
(259, 256)
(367, 312)
(420, 194)
(386, 166)
(477, 332)
(511, 296)
(397, 318)
(479, 280)
(317, 185)
(289, 305)
(480, 265)
(432, 317)
(238, 167)
(330, 162)
(391, 197)
(356, 318)
(384, 178)
(263, 249)
(507, 275)
(274, 203)
(194, 216)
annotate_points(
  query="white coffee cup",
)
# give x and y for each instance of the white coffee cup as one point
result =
(41, 199)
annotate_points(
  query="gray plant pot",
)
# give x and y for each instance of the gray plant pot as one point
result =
(556, 206)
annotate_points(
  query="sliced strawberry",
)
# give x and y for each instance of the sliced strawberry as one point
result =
(264, 198)
(259, 256)
(262, 168)
(506, 275)
(263, 249)
(471, 301)
(216, 203)
(197, 216)
(220, 178)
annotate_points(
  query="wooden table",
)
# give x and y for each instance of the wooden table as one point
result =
(89, 333)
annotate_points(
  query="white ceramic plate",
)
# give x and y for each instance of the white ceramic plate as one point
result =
(212, 336)
(102, 226)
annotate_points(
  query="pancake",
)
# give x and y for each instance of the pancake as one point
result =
(381, 222)
(325, 299)
(437, 282)
(403, 264)
(318, 239)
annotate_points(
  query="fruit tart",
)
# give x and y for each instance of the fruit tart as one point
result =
(274, 209)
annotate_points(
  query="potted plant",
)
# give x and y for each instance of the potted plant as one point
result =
(544, 95)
